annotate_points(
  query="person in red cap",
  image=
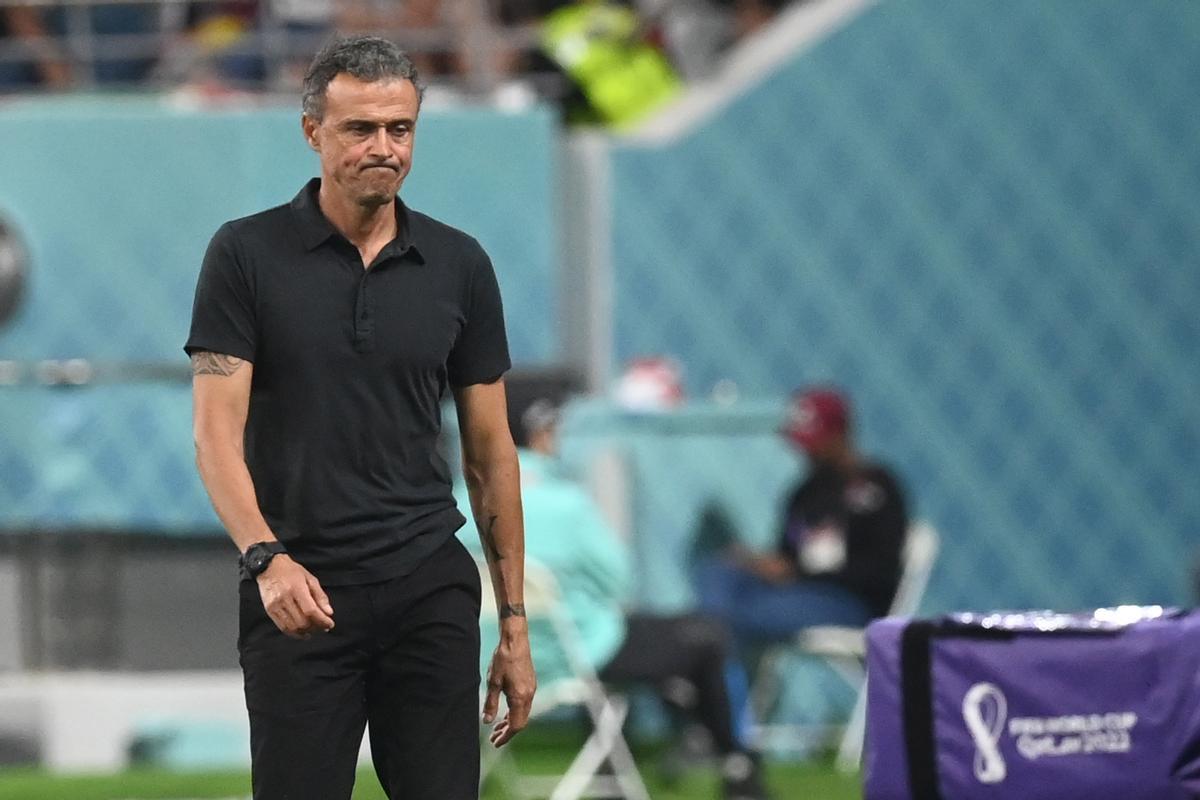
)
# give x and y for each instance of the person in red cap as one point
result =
(838, 556)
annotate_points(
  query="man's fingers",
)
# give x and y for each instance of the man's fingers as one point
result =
(504, 731)
(285, 619)
(501, 733)
(514, 721)
(294, 599)
(491, 702)
(318, 594)
(518, 713)
(313, 617)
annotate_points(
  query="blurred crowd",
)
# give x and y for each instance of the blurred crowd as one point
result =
(602, 60)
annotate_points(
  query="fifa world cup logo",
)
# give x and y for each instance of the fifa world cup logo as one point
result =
(984, 710)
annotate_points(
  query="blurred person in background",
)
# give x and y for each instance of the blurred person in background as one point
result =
(129, 39)
(838, 558)
(751, 16)
(444, 28)
(684, 657)
(298, 29)
(612, 58)
(256, 44)
(30, 59)
(245, 45)
(601, 61)
(218, 54)
(324, 335)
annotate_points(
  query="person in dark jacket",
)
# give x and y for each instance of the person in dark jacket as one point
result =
(838, 558)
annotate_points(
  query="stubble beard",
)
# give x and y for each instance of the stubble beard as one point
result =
(373, 196)
(374, 200)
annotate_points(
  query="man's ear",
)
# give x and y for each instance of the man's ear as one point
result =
(309, 126)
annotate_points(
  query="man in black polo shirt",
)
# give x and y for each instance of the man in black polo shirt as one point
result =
(324, 336)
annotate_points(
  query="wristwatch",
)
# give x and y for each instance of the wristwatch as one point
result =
(257, 557)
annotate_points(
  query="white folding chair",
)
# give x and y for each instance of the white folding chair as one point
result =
(844, 648)
(606, 743)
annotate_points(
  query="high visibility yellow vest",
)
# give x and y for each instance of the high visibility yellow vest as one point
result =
(599, 46)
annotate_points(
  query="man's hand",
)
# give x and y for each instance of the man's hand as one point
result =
(511, 672)
(771, 568)
(294, 599)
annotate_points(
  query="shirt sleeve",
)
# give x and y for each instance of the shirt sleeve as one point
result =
(481, 353)
(223, 312)
(874, 563)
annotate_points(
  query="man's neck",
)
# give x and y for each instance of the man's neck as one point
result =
(368, 228)
(847, 461)
(844, 461)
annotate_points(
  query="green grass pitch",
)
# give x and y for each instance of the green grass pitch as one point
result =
(786, 780)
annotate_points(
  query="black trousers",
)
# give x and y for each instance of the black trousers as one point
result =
(403, 656)
(690, 646)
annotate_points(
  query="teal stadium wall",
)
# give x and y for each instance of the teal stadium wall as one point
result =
(978, 217)
(981, 219)
(116, 199)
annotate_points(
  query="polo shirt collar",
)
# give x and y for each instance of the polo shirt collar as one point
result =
(315, 229)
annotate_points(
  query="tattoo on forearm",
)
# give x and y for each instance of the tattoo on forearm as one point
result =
(215, 364)
(488, 534)
(512, 610)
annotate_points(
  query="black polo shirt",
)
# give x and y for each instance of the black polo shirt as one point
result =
(350, 368)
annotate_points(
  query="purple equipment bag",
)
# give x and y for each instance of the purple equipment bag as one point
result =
(1035, 706)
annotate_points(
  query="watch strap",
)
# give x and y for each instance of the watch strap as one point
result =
(270, 549)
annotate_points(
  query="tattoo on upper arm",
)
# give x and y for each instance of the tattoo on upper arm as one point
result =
(512, 610)
(215, 364)
(487, 534)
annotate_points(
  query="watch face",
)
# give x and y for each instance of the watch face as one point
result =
(257, 561)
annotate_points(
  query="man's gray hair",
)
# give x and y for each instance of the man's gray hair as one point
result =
(368, 58)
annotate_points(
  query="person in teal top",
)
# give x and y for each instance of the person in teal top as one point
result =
(592, 564)
(566, 533)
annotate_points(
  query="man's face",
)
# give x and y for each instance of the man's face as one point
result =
(365, 138)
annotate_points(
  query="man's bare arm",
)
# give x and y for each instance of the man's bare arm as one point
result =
(506, 607)
(493, 483)
(220, 364)
(220, 405)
